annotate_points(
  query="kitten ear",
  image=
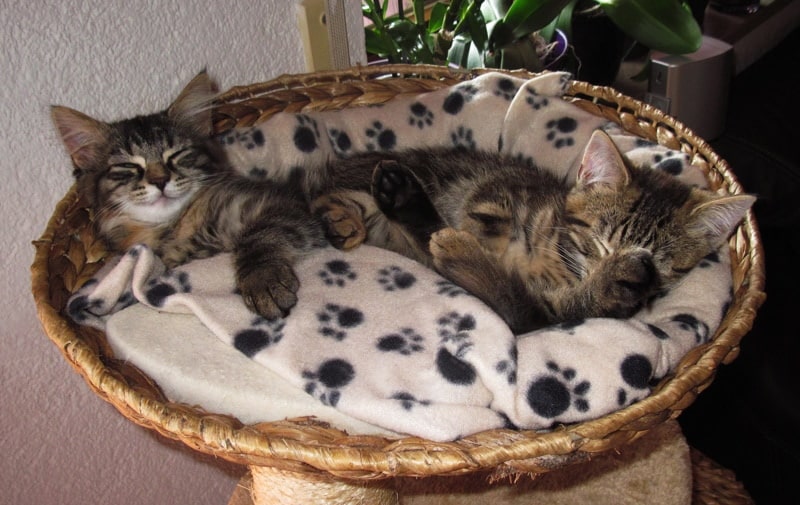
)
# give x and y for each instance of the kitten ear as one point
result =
(602, 163)
(193, 105)
(716, 218)
(85, 138)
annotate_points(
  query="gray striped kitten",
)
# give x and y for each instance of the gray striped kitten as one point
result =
(160, 180)
(534, 248)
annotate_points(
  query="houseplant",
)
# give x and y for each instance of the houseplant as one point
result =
(522, 33)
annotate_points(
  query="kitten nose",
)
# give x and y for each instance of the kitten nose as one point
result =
(156, 175)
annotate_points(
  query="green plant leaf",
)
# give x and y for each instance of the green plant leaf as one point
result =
(436, 19)
(459, 50)
(662, 25)
(527, 16)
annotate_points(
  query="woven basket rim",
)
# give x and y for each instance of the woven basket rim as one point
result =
(308, 445)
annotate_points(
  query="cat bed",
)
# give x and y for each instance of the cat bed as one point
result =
(298, 118)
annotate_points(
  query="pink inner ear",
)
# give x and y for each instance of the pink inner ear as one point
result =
(602, 162)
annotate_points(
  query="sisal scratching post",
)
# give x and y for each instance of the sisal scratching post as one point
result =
(272, 486)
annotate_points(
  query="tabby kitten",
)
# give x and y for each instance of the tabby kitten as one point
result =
(535, 249)
(162, 181)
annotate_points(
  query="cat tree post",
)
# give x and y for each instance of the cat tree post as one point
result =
(265, 485)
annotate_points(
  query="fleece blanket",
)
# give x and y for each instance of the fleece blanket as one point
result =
(388, 342)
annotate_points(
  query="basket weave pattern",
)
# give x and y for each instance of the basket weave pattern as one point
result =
(68, 254)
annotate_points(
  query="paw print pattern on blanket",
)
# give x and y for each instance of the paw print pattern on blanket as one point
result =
(340, 141)
(249, 138)
(407, 400)
(335, 320)
(554, 393)
(393, 278)
(447, 288)
(688, 322)
(506, 89)
(259, 336)
(406, 342)
(337, 273)
(560, 130)
(380, 138)
(535, 100)
(306, 134)
(454, 332)
(160, 288)
(508, 367)
(636, 371)
(671, 162)
(460, 95)
(421, 116)
(326, 382)
(463, 137)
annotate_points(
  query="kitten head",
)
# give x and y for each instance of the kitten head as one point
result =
(139, 173)
(620, 209)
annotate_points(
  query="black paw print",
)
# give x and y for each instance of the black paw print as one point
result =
(393, 278)
(688, 322)
(335, 320)
(261, 334)
(159, 289)
(258, 173)
(330, 377)
(80, 306)
(340, 141)
(658, 332)
(250, 138)
(535, 100)
(710, 259)
(508, 367)
(420, 116)
(306, 134)
(463, 137)
(406, 341)
(555, 392)
(380, 138)
(337, 273)
(636, 371)
(408, 401)
(568, 327)
(671, 162)
(454, 331)
(447, 288)
(455, 327)
(460, 95)
(559, 130)
(505, 89)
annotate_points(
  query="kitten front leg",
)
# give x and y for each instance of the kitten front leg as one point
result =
(267, 282)
(402, 198)
(265, 255)
(458, 256)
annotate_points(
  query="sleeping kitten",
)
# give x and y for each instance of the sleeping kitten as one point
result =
(162, 181)
(534, 249)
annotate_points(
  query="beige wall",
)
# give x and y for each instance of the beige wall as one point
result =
(110, 58)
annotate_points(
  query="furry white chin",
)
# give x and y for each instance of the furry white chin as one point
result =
(160, 210)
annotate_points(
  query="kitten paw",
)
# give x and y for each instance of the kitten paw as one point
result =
(455, 250)
(344, 226)
(269, 291)
(626, 283)
(393, 187)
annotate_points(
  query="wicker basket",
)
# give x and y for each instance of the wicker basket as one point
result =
(68, 253)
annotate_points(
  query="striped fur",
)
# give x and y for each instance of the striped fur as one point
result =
(536, 249)
(160, 180)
